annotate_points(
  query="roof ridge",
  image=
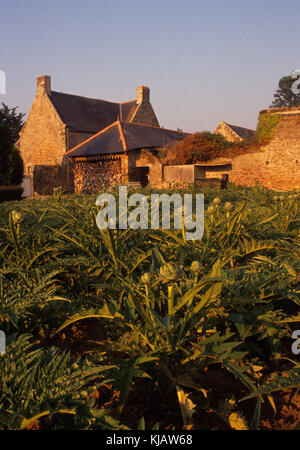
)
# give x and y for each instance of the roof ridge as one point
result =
(238, 126)
(122, 135)
(88, 98)
(153, 126)
(91, 138)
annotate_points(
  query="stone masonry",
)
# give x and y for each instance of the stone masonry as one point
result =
(144, 113)
(43, 137)
(277, 165)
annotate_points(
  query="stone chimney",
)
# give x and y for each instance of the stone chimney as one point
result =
(44, 84)
(142, 95)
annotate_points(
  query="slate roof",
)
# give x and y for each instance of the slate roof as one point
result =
(244, 133)
(126, 110)
(121, 136)
(89, 114)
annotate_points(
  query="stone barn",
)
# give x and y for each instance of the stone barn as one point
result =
(109, 157)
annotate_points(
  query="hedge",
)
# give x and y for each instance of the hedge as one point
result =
(12, 192)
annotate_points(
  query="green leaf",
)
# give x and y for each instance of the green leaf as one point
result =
(277, 382)
(254, 425)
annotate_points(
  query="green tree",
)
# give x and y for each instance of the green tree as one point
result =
(284, 95)
(11, 163)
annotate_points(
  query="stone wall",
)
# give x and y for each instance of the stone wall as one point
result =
(224, 167)
(277, 165)
(92, 176)
(42, 139)
(42, 143)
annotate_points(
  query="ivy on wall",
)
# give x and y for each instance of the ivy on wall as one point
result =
(266, 126)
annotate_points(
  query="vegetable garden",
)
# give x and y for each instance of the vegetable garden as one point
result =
(143, 329)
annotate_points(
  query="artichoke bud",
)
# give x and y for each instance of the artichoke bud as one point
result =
(196, 266)
(17, 217)
(228, 206)
(146, 278)
(216, 201)
(169, 272)
(211, 209)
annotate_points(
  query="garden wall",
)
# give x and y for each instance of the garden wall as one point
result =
(277, 166)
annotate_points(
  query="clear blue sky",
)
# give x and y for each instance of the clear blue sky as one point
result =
(204, 60)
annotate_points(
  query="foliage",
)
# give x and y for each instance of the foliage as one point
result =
(35, 383)
(205, 146)
(11, 164)
(284, 95)
(172, 313)
(196, 147)
(266, 125)
(14, 120)
(8, 193)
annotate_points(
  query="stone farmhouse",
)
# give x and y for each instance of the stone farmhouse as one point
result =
(58, 122)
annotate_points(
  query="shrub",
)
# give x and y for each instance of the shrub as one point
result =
(196, 147)
(205, 146)
(11, 163)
